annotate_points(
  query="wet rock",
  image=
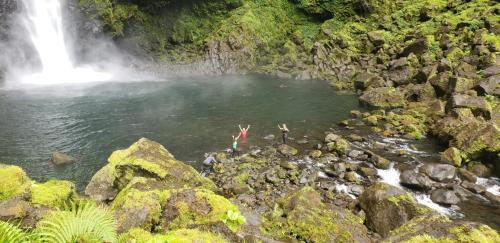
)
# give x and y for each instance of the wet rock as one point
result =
(351, 176)
(356, 190)
(331, 137)
(315, 154)
(380, 162)
(371, 120)
(444, 196)
(412, 179)
(467, 175)
(61, 159)
(452, 156)
(355, 154)
(479, 169)
(144, 158)
(492, 197)
(340, 167)
(288, 165)
(339, 146)
(287, 150)
(473, 187)
(439, 172)
(384, 97)
(355, 138)
(477, 104)
(367, 171)
(388, 207)
(302, 214)
(439, 228)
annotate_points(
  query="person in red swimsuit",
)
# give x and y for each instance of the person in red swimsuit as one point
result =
(244, 132)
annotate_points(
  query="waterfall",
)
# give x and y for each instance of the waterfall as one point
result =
(44, 21)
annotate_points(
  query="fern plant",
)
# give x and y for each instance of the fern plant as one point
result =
(84, 222)
(12, 233)
(233, 219)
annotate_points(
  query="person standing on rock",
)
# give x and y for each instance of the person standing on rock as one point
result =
(284, 131)
(235, 144)
(243, 132)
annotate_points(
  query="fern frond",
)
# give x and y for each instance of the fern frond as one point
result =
(78, 221)
(12, 233)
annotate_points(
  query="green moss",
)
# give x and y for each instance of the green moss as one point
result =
(53, 193)
(403, 197)
(13, 181)
(482, 234)
(193, 235)
(242, 178)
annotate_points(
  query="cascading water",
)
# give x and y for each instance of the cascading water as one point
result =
(44, 23)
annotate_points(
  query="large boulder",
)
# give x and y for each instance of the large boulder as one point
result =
(439, 172)
(388, 207)
(13, 182)
(438, 228)
(145, 158)
(287, 150)
(445, 196)
(489, 86)
(383, 97)
(302, 215)
(478, 105)
(412, 179)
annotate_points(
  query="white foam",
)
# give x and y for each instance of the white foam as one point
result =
(426, 200)
(342, 188)
(390, 176)
(492, 185)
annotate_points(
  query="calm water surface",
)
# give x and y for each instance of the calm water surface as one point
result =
(189, 116)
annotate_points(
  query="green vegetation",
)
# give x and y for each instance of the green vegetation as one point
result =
(53, 193)
(13, 181)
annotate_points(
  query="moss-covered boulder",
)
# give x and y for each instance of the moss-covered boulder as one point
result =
(452, 156)
(53, 193)
(439, 228)
(388, 207)
(384, 97)
(135, 208)
(13, 182)
(138, 235)
(145, 158)
(192, 208)
(301, 215)
(14, 209)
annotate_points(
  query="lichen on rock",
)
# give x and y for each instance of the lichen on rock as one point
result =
(13, 182)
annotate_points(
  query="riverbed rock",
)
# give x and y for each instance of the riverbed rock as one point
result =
(14, 209)
(61, 159)
(473, 187)
(380, 162)
(466, 175)
(302, 214)
(412, 179)
(439, 228)
(452, 156)
(315, 154)
(388, 207)
(13, 182)
(445, 196)
(383, 97)
(439, 172)
(287, 150)
(145, 158)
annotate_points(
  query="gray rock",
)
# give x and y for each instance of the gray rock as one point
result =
(355, 153)
(413, 179)
(493, 70)
(476, 104)
(287, 150)
(439, 172)
(444, 196)
(490, 86)
(331, 137)
(473, 187)
(418, 47)
(467, 175)
(380, 162)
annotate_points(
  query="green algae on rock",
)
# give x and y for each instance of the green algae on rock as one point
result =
(13, 181)
(144, 158)
(53, 193)
(302, 215)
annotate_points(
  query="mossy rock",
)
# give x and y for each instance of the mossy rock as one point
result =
(438, 228)
(53, 193)
(145, 158)
(384, 97)
(301, 215)
(193, 235)
(13, 181)
(198, 207)
(388, 207)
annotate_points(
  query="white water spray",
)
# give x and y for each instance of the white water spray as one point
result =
(44, 23)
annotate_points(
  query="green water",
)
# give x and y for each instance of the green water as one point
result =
(189, 116)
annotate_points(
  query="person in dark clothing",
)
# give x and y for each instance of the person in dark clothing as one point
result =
(284, 131)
